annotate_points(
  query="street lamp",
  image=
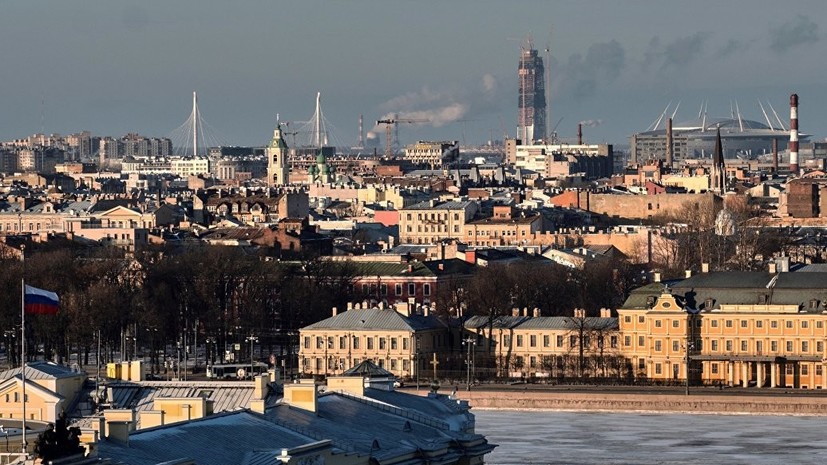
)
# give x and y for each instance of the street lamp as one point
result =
(252, 340)
(468, 342)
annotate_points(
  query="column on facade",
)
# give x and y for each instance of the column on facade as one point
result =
(823, 375)
(812, 383)
(745, 374)
(730, 368)
(759, 374)
(773, 374)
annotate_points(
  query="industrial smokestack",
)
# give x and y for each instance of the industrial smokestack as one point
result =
(579, 133)
(669, 155)
(794, 134)
(775, 155)
(361, 133)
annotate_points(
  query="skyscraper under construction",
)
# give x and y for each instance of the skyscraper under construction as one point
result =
(531, 116)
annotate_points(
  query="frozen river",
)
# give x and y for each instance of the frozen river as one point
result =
(545, 437)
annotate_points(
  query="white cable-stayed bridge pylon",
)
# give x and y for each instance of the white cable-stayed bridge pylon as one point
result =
(195, 136)
(318, 131)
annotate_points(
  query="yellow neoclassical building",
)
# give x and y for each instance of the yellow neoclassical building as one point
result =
(762, 329)
(404, 339)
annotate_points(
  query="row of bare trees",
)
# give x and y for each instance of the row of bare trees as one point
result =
(737, 239)
(151, 300)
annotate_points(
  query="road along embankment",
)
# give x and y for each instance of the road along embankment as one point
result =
(646, 402)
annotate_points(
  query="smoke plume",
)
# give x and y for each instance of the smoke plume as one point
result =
(799, 31)
(591, 123)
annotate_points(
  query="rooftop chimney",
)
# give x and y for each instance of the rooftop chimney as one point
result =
(773, 268)
(688, 274)
(704, 267)
(794, 134)
(657, 276)
(335, 311)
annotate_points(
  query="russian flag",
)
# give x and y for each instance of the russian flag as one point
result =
(40, 302)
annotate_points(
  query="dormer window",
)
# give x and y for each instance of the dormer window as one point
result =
(813, 304)
(708, 304)
(650, 301)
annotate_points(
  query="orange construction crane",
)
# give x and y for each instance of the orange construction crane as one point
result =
(391, 123)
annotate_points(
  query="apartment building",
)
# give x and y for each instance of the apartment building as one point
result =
(431, 221)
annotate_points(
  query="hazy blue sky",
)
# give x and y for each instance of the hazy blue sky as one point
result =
(112, 66)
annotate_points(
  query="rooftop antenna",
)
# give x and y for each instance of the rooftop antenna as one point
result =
(780, 123)
(548, 86)
(766, 117)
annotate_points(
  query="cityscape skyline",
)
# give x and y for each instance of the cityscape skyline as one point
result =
(116, 67)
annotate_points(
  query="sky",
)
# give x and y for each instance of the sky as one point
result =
(112, 67)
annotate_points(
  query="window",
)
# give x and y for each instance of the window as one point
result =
(383, 343)
(572, 341)
(759, 324)
(728, 323)
(713, 323)
(759, 346)
(819, 346)
(640, 319)
(657, 346)
(729, 346)
(559, 341)
(329, 342)
(805, 324)
(773, 324)
(641, 341)
(519, 340)
(393, 364)
(398, 289)
(805, 369)
(532, 362)
(773, 346)
(743, 323)
(627, 341)
(743, 346)
(641, 364)
(355, 342)
(788, 324)
(411, 288)
(532, 340)
(714, 345)
(383, 289)
(627, 319)
(789, 346)
(319, 342)
(658, 369)
(426, 289)
(307, 342)
(818, 370)
(819, 324)
(658, 323)
(805, 346)
(370, 343)
(676, 323)
(394, 344)
(342, 342)
(506, 340)
(546, 341)
(714, 368)
(676, 346)
(613, 342)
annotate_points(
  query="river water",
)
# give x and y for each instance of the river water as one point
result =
(549, 437)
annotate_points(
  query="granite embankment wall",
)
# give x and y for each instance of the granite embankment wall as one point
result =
(610, 401)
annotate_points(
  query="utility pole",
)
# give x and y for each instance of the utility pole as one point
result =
(252, 340)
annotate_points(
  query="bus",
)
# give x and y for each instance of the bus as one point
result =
(235, 370)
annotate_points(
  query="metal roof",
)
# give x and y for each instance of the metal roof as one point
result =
(226, 396)
(568, 323)
(215, 440)
(375, 319)
(481, 321)
(43, 370)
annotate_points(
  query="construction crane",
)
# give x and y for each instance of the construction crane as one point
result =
(390, 124)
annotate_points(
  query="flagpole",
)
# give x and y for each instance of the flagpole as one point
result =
(23, 339)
